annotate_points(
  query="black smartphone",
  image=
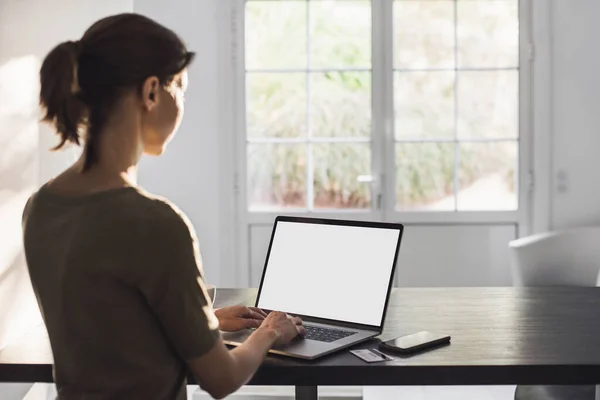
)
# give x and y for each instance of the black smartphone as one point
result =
(415, 342)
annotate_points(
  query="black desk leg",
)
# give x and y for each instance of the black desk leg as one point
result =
(307, 393)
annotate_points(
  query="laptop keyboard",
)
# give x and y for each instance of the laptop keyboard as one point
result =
(326, 335)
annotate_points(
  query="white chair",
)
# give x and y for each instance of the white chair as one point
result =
(561, 258)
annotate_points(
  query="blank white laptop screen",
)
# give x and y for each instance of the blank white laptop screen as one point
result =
(329, 271)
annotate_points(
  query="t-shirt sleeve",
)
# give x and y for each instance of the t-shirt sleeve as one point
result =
(172, 283)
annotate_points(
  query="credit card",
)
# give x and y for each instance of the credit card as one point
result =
(371, 356)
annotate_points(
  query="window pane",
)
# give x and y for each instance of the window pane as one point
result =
(275, 34)
(276, 104)
(276, 176)
(340, 34)
(488, 33)
(425, 176)
(337, 167)
(488, 176)
(424, 34)
(341, 104)
(424, 104)
(488, 104)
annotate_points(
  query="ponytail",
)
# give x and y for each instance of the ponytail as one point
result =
(59, 93)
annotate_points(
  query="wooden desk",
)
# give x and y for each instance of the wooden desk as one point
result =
(500, 336)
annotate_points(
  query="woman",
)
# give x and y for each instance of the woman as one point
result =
(116, 270)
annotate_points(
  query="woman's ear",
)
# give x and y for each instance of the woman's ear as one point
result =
(150, 90)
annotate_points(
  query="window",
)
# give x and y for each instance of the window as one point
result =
(309, 91)
(456, 104)
(382, 106)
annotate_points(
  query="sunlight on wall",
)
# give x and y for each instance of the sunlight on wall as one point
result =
(19, 115)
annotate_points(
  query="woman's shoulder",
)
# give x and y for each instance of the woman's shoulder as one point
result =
(162, 213)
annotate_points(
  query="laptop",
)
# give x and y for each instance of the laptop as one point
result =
(336, 275)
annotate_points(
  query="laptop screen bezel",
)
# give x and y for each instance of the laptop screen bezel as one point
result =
(326, 221)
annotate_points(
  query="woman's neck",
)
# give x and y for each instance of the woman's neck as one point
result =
(119, 148)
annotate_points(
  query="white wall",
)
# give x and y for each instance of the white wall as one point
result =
(18, 142)
(190, 173)
(575, 112)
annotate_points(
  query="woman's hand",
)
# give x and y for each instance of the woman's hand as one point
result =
(286, 327)
(236, 318)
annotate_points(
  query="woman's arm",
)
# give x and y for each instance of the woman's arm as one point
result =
(221, 372)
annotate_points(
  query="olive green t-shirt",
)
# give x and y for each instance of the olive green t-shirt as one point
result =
(118, 278)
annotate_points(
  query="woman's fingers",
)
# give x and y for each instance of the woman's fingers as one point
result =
(301, 330)
(259, 312)
(252, 323)
(251, 313)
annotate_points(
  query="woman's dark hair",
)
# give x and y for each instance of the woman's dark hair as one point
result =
(81, 81)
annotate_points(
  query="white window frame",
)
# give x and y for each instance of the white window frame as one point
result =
(382, 131)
